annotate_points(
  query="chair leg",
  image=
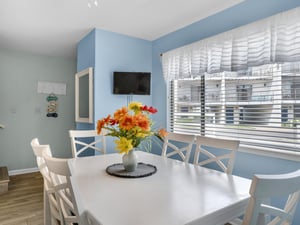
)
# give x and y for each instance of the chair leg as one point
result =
(47, 213)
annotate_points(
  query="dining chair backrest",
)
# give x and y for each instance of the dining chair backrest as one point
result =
(85, 140)
(38, 150)
(176, 144)
(216, 150)
(51, 204)
(58, 168)
(263, 189)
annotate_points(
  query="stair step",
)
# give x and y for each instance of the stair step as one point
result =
(4, 179)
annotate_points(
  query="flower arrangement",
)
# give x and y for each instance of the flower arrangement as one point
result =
(131, 125)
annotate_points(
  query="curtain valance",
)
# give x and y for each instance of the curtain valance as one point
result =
(272, 40)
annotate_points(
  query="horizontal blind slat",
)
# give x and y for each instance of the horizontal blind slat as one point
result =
(261, 109)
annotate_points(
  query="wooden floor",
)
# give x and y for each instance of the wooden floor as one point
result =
(23, 203)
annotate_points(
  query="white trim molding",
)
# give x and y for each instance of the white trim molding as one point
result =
(22, 171)
(281, 154)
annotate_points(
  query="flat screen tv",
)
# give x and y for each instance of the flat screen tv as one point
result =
(131, 83)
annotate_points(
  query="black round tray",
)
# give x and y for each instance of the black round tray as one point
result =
(142, 170)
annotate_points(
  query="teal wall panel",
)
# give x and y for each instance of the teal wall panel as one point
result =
(23, 110)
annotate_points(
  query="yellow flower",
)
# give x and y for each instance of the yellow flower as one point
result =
(140, 134)
(123, 145)
(135, 107)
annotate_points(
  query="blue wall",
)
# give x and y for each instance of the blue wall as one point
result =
(86, 52)
(251, 10)
(108, 52)
(86, 58)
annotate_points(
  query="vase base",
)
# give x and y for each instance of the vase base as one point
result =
(142, 170)
(130, 168)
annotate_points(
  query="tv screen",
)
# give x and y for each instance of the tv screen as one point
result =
(135, 83)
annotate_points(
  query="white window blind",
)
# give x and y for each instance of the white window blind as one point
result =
(259, 106)
(244, 84)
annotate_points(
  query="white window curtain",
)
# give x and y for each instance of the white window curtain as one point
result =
(272, 40)
(243, 84)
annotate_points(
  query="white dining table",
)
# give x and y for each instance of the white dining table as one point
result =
(178, 193)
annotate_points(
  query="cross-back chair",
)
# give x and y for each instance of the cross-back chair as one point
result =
(216, 150)
(176, 144)
(262, 190)
(85, 140)
(52, 208)
(58, 168)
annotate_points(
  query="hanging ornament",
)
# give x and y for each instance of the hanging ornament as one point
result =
(52, 106)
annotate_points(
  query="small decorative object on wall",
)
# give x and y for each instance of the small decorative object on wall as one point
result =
(53, 89)
(52, 106)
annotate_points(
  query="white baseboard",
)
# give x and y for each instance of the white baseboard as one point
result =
(23, 171)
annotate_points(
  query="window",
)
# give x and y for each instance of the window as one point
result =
(251, 106)
(242, 84)
(229, 115)
(244, 92)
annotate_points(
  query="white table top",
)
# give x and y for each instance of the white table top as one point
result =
(176, 194)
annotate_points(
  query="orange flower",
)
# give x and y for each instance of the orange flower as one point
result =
(127, 122)
(100, 125)
(120, 113)
(142, 121)
(162, 133)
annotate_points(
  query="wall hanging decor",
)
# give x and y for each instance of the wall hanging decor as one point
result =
(52, 106)
(53, 89)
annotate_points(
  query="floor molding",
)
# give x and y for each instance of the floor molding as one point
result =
(22, 171)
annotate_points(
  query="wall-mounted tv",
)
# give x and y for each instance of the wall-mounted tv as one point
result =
(132, 83)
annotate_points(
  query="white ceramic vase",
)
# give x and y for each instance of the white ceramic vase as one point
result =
(130, 161)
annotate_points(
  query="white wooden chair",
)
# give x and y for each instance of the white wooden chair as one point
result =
(176, 144)
(215, 150)
(58, 168)
(52, 208)
(262, 190)
(84, 140)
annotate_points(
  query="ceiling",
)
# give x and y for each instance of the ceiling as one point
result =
(54, 27)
